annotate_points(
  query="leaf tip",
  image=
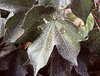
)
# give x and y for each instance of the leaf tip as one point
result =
(75, 62)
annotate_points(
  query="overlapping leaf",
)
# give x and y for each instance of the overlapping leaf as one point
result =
(67, 13)
(77, 21)
(89, 25)
(4, 62)
(39, 52)
(59, 66)
(61, 34)
(33, 19)
(58, 4)
(67, 39)
(83, 60)
(18, 25)
(82, 8)
(82, 67)
(24, 27)
(15, 64)
(13, 27)
(6, 50)
(10, 58)
(93, 42)
(16, 5)
(2, 26)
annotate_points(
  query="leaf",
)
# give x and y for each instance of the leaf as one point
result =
(4, 62)
(34, 18)
(59, 66)
(93, 43)
(16, 67)
(83, 60)
(59, 33)
(10, 15)
(25, 24)
(82, 8)
(6, 50)
(2, 26)
(78, 22)
(13, 27)
(30, 70)
(16, 5)
(82, 66)
(58, 4)
(67, 40)
(39, 52)
(89, 25)
(67, 13)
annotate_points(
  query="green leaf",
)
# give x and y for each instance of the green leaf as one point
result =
(64, 34)
(89, 25)
(67, 13)
(6, 50)
(34, 18)
(82, 8)
(24, 25)
(2, 26)
(16, 67)
(93, 43)
(10, 15)
(59, 66)
(16, 5)
(39, 51)
(13, 27)
(77, 21)
(67, 40)
(58, 4)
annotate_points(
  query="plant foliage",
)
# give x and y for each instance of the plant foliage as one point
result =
(35, 33)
